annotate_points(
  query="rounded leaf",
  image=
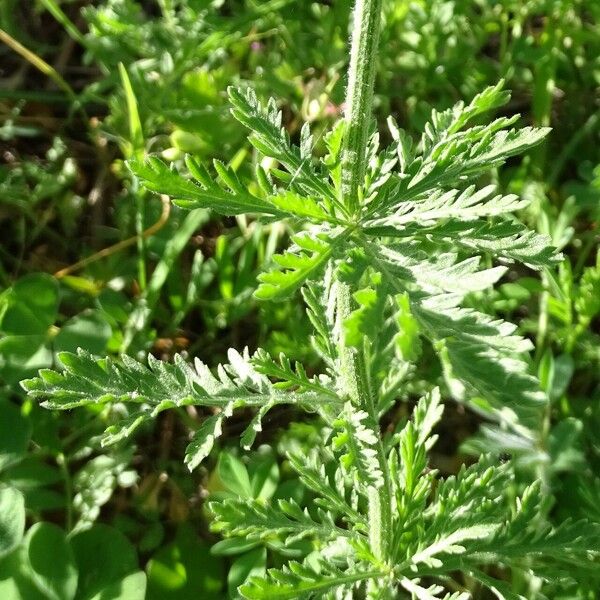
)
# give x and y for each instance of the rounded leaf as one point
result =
(104, 556)
(185, 569)
(234, 475)
(31, 305)
(12, 519)
(88, 330)
(131, 587)
(52, 563)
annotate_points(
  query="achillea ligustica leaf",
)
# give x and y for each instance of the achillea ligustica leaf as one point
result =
(380, 270)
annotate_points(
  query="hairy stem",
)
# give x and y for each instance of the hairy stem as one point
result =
(355, 379)
(359, 98)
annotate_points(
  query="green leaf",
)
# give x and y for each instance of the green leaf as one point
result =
(413, 461)
(331, 492)
(88, 330)
(185, 569)
(130, 587)
(104, 557)
(291, 375)
(136, 135)
(426, 415)
(255, 426)
(461, 499)
(469, 204)
(407, 340)
(355, 436)
(482, 357)
(333, 159)
(53, 567)
(96, 481)
(156, 176)
(499, 588)
(22, 355)
(430, 593)
(503, 381)
(320, 303)
(409, 266)
(302, 582)
(404, 144)
(303, 207)
(587, 299)
(264, 477)
(158, 387)
(250, 564)
(368, 316)
(286, 521)
(525, 535)
(443, 321)
(452, 543)
(30, 306)
(232, 546)
(450, 121)
(270, 138)
(15, 578)
(306, 259)
(507, 240)
(234, 475)
(204, 438)
(32, 472)
(12, 519)
(466, 155)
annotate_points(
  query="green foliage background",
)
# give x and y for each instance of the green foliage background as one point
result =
(133, 77)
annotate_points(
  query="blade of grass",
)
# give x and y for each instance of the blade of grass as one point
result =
(135, 148)
(39, 63)
(141, 314)
(56, 11)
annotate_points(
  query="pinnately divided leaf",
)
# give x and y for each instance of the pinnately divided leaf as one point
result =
(453, 543)
(271, 139)
(430, 593)
(330, 491)
(204, 438)
(394, 261)
(290, 375)
(302, 582)
(468, 154)
(483, 354)
(305, 260)
(303, 207)
(450, 121)
(412, 267)
(161, 386)
(505, 239)
(452, 204)
(158, 177)
(286, 521)
(357, 442)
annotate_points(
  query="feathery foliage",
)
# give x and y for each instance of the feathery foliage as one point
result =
(381, 263)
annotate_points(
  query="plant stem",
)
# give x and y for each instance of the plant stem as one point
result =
(39, 63)
(61, 459)
(354, 371)
(359, 97)
(355, 378)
